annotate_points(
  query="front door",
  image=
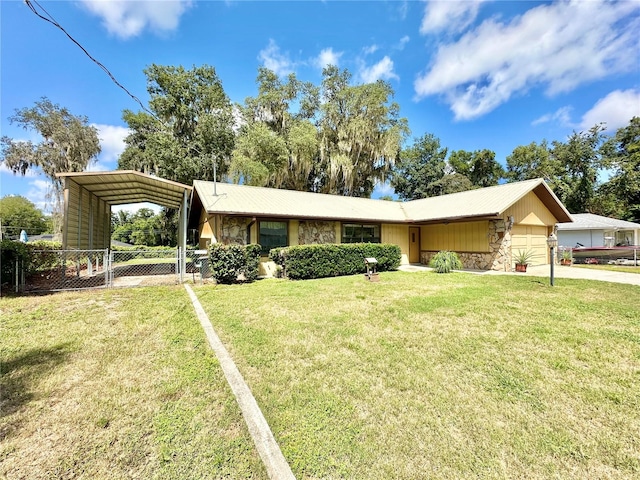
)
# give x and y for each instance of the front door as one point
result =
(414, 245)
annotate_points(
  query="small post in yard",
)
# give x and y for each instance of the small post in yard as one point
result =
(552, 241)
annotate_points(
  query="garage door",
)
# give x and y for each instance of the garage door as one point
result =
(525, 238)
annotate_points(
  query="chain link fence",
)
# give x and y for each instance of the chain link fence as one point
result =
(51, 270)
(54, 270)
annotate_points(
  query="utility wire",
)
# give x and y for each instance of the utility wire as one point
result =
(53, 21)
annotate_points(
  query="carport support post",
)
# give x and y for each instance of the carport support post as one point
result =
(182, 236)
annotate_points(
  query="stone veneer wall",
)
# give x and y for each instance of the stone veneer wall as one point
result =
(316, 232)
(234, 230)
(497, 258)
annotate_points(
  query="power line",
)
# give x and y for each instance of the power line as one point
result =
(53, 21)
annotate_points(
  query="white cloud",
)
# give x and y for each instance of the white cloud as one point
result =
(383, 70)
(327, 57)
(561, 116)
(127, 19)
(452, 16)
(616, 109)
(382, 189)
(271, 58)
(559, 46)
(402, 43)
(111, 141)
(370, 49)
(39, 194)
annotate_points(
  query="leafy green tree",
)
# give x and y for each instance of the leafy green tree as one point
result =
(343, 144)
(191, 128)
(18, 213)
(580, 158)
(69, 144)
(480, 166)
(419, 167)
(622, 192)
(278, 145)
(259, 156)
(450, 183)
(143, 227)
(361, 133)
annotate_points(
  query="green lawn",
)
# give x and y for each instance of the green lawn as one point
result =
(113, 384)
(441, 376)
(418, 376)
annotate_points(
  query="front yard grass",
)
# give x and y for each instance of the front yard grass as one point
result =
(441, 376)
(113, 384)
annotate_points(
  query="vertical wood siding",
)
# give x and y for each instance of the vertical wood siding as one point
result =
(530, 210)
(397, 235)
(458, 237)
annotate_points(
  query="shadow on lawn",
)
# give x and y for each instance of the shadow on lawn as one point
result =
(19, 377)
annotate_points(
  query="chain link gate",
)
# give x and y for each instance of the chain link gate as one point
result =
(133, 268)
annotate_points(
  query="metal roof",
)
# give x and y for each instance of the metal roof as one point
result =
(484, 202)
(271, 202)
(127, 186)
(590, 221)
(481, 203)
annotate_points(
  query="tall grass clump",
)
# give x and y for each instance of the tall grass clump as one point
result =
(445, 262)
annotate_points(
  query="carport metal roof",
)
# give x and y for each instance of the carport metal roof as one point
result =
(127, 186)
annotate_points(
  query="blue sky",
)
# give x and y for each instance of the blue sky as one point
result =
(477, 74)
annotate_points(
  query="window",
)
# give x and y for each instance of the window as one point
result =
(272, 234)
(359, 232)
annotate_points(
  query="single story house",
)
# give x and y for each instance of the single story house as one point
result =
(589, 230)
(484, 226)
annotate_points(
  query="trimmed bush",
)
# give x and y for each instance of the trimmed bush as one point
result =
(43, 256)
(330, 260)
(445, 261)
(234, 263)
(10, 252)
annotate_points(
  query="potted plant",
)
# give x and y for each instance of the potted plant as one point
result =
(522, 259)
(566, 258)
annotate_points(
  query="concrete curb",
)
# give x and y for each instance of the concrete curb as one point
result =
(268, 449)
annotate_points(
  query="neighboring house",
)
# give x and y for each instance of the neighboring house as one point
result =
(485, 226)
(589, 230)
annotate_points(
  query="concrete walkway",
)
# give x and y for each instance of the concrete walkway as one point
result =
(560, 272)
(268, 449)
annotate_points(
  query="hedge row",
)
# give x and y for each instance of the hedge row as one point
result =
(330, 260)
(39, 256)
(234, 263)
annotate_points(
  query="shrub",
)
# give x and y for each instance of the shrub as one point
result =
(445, 261)
(10, 252)
(330, 260)
(43, 256)
(233, 263)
